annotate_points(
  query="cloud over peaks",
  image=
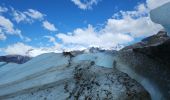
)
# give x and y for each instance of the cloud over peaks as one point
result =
(24, 49)
(121, 29)
(88, 37)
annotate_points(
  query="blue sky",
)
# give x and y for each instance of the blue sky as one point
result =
(73, 24)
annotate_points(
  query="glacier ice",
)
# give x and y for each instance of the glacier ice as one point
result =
(101, 59)
(39, 64)
(46, 76)
(161, 15)
(2, 64)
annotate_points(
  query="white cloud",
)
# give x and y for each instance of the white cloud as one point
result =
(2, 37)
(38, 51)
(88, 37)
(18, 48)
(3, 9)
(47, 25)
(51, 39)
(123, 28)
(7, 27)
(27, 16)
(155, 3)
(27, 39)
(20, 16)
(23, 49)
(86, 4)
(34, 14)
(140, 27)
(137, 22)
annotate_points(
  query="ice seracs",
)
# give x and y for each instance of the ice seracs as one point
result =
(161, 16)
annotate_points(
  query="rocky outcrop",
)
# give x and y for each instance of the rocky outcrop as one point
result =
(160, 53)
(153, 40)
(14, 59)
(150, 61)
(56, 77)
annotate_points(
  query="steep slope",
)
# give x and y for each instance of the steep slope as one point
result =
(149, 62)
(69, 76)
(151, 58)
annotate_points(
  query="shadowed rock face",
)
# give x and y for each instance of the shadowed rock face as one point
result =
(151, 60)
(154, 40)
(14, 59)
(159, 53)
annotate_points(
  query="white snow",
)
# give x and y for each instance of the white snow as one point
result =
(161, 16)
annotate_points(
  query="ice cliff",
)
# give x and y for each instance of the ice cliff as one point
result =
(161, 16)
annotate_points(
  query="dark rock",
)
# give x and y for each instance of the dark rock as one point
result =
(154, 40)
(150, 58)
(160, 53)
(14, 59)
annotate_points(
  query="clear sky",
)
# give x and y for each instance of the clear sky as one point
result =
(54, 25)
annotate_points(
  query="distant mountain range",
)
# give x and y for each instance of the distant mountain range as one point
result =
(19, 59)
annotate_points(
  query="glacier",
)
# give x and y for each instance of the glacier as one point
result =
(161, 16)
(58, 75)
